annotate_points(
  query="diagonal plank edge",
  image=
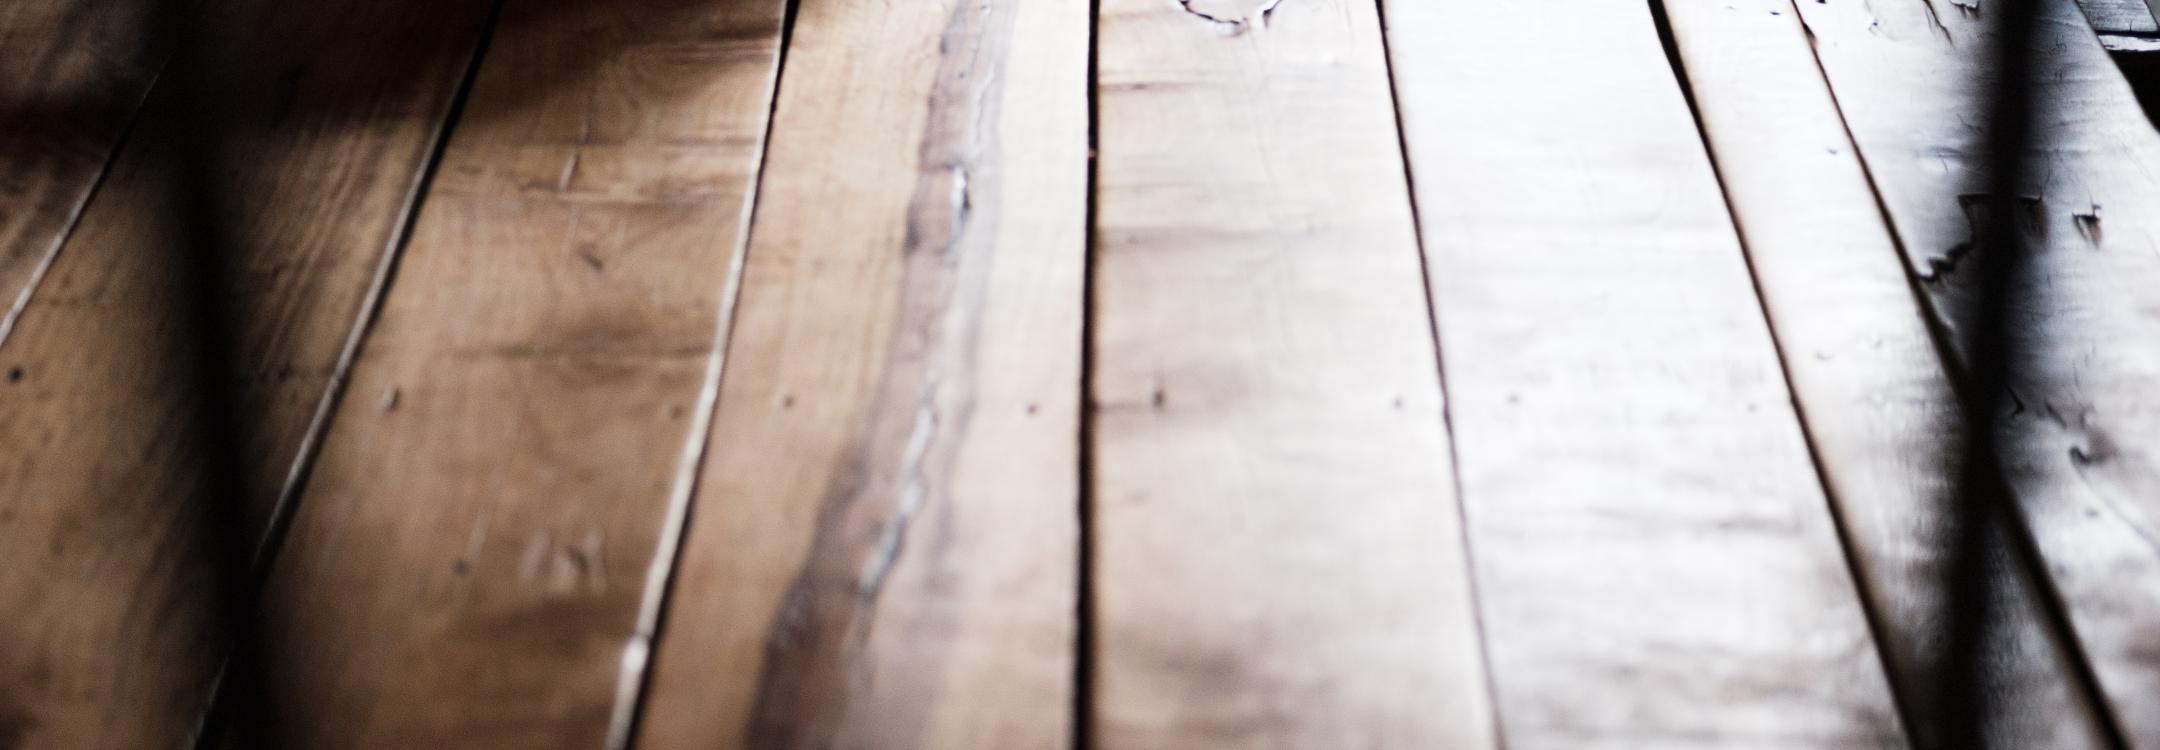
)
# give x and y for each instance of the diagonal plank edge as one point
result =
(74, 78)
(1871, 385)
(466, 566)
(2082, 444)
(103, 591)
(883, 545)
(1649, 534)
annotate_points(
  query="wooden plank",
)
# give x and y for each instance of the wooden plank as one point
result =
(884, 545)
(1657, 559)
(110, 642)
(465, 568)
(1277, 551)
(73, 78)
(2120, 16)
(2084, 448)
(1877, 401)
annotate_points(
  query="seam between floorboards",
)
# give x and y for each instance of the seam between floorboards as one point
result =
(1447, 402)
(74, 218)
(1899, 692)
(635, 679)
(269, 543)
(1081, 712)
(1863, 588)
(2027, 557)
(370, 307)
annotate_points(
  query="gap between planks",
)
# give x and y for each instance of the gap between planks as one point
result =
(1819, 245)
(271, 537)
(682, 493)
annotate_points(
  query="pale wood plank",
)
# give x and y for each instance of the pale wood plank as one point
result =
(327, 134)
(1657, 560)
(883, 552)
(2084, 451)
(73, 76)
(1278, 557)
(1878, 403)
(465, 568)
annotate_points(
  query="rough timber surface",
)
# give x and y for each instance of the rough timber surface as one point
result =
(467, 565)
(108, 626)
(2082, 444)
(882, 552)
(1878, 403)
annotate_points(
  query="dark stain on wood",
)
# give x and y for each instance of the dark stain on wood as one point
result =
(909, 437)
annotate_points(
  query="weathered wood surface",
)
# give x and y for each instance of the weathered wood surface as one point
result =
(2120, 16)
(884, 544)
(2083, 442)
(102, 581)
(1657, 560)
(1878, 404)
(466, 565)
(72, 77)
(1277, 551)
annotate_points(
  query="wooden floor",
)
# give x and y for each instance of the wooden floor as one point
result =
(1062, 373)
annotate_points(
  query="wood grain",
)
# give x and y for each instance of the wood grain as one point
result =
(1277, 551)
(465, 565)
(324, 143)
(73, 77)
(1878, 403)
(2083, 442)
(884, 545)
(465, 568)
(2120, 16)
(1658, 562)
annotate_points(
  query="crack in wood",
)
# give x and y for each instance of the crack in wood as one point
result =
(1232, 25)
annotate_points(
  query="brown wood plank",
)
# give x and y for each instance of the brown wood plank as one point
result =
(329, 131)
(2084, 448)
(73, 76)
(465, 567)
(1878, 403)
(1277, 555)
(1657, 560)
(884, 545)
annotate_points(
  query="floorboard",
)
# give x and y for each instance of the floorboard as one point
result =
(883, 544)
(1648, 531)
(74, 76)
(1062, 375)
(1878, 403)
(2083, 444)
(467, 565)
(2120, 16)
(1277, 554)
(325, 144)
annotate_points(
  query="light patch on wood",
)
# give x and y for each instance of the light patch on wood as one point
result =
(1656, 559)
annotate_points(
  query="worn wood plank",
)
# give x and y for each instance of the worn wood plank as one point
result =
(73, 77)
(884, 546)
(1277, 551)
(1878, 403)
(1657, 559)
(326, 133)
(465, 567)
(2120, 16)
(2083, 444)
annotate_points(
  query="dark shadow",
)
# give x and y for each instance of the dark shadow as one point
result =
(230, 75)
